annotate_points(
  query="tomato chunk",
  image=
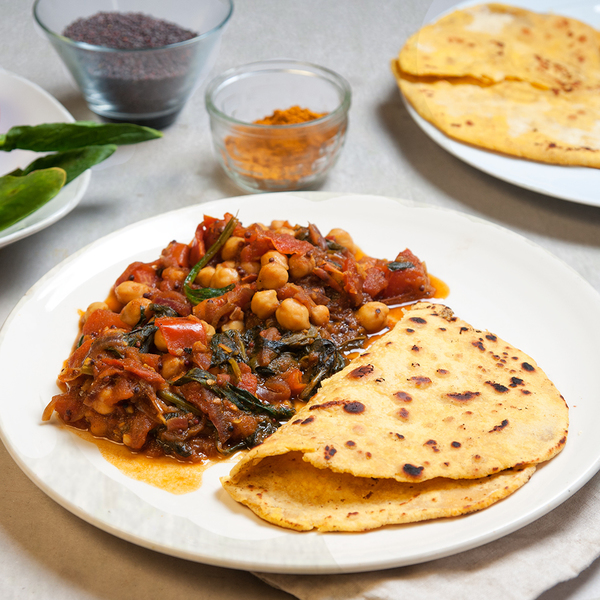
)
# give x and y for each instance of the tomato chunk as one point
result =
(181, 333)
(102, 319)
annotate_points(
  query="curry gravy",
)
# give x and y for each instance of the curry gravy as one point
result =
(162, 472)
(177, 477)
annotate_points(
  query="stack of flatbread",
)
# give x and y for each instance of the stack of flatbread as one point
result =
(509, 80)
(435, 419)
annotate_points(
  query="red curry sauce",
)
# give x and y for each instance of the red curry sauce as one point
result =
(208, 348)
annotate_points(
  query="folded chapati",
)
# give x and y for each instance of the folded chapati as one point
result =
(435, 419)
(509, 80)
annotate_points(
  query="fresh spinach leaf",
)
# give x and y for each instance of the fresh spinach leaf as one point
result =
(22, 196)
(58, 137)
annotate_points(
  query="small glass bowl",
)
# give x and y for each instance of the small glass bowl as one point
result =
(147, 86)
(282, 157)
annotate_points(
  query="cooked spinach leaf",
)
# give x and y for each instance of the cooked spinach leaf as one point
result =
(226, 345)
(142, 337)
(195, 296)
(178, 401)
(243, 399)
(400, 265)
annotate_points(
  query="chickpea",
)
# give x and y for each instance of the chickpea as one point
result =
(264, 303)
(301, 265)
(132, 311)
(292, 315)
(93, 307)
(204, 276)
(224, 276)
(319, 315)
(250, 267)
(160, 342)
(98, 428)
(101, 402)
(277, 224)
(174, 274)
(232, 247)
(287, 230)
(272, 276)
(171, 366)
(130, 290)
(274, 257)
(102, 408)
(373, 316)
(343, 238)
(210, 330)
(236, 325)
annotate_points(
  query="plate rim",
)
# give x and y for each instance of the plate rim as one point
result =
(424, 556)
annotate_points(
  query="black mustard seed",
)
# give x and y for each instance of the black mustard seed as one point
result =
(139, 87)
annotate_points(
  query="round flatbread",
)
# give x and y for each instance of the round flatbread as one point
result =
(509, 80)
(287, 491)
(496, 42)
(433, 400)
(513, 117)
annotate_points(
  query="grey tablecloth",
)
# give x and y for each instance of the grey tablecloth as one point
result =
(46, 552)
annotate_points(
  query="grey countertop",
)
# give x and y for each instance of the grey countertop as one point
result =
(45, 551)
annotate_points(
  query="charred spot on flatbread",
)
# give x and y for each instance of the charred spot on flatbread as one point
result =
(330, 451)
(403, 396)
(500, 427)
(498, 387)
(412, 470)
(362, 371)
(463, 396)
(354, 407)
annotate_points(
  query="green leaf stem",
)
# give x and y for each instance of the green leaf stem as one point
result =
(194, 294)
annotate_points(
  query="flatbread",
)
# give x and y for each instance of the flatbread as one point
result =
(509, 80)
(287, 491)
(434, 400)
(514, 118)
(497, 42)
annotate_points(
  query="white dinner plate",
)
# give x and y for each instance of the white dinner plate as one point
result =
(578, 184)
(498, 281)
(24, 103)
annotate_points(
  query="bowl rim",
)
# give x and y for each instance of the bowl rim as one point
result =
(97, 48)
(275, 64)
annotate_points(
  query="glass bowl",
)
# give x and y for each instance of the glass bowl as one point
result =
(148, 86)
(277, 157)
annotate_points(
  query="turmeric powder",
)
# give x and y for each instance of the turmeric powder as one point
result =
(282, 158)
(292, 115)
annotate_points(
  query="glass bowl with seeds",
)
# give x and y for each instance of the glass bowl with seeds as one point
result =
(140, 63)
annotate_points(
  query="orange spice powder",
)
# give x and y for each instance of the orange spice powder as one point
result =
(280, 155)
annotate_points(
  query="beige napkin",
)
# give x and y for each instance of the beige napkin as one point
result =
(520, 566)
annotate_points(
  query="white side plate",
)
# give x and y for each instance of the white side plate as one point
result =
(24, 103)
(578, 184)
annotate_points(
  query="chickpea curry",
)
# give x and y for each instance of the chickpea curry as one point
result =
(209, 348)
